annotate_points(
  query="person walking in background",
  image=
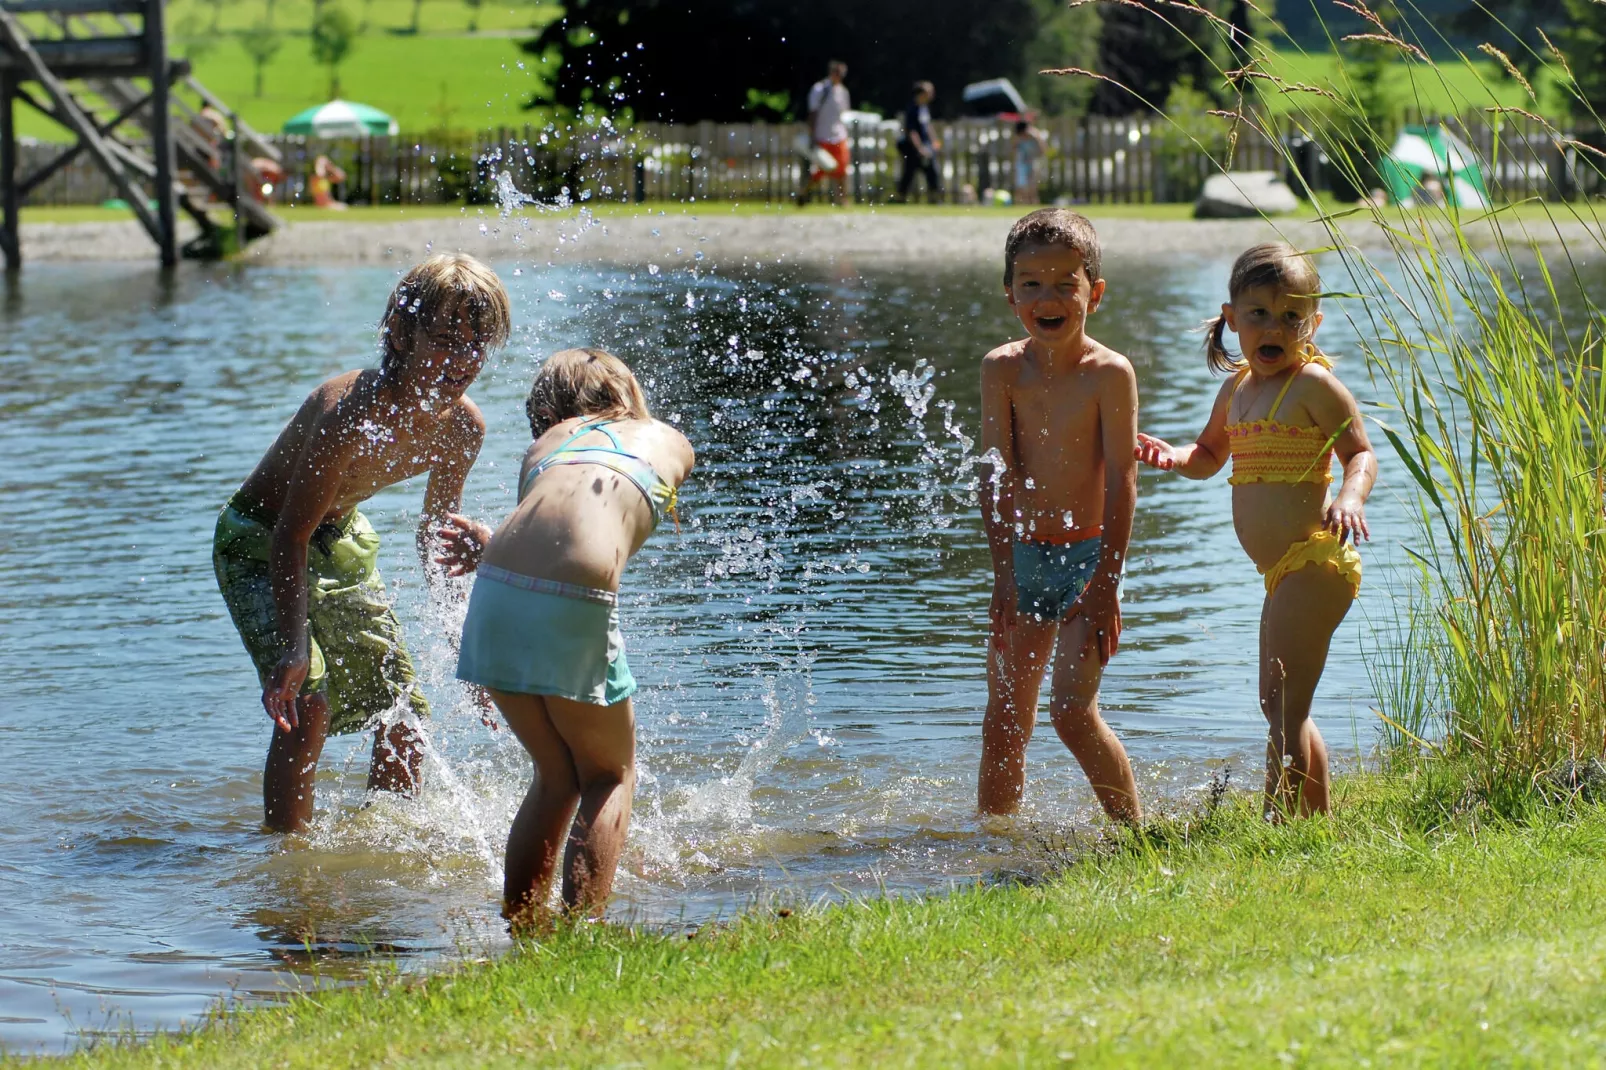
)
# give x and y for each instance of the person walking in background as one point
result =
(828, 102)
(917, 146)
(1030, 146)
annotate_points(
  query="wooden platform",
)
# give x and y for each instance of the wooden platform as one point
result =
(100, 69)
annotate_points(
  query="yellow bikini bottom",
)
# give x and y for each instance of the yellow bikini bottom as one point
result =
(1322, 548)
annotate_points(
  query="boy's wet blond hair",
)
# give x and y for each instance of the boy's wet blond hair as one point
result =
(583, 382)
(1272, 263)
(451, 282)
(1050, 227)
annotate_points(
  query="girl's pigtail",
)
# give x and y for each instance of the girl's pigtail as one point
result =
(1216, 347)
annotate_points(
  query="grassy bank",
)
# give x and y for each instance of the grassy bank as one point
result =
(1383, 934)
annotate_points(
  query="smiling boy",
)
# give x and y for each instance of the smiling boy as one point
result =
(1059, 425)
(296, 561)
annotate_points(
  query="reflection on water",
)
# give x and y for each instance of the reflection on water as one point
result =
(810, 645)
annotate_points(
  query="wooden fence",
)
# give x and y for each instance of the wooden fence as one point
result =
(1088, 160)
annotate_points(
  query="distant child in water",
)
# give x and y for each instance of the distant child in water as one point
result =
(542, 632)
(296, 561)
(1281, 416)
(1059, 424)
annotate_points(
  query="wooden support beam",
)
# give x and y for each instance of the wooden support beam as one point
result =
(161, 139)
(79, 57)
(129, 158)
(10, 230)
(41, 176)
(73, 7)
(13, 38)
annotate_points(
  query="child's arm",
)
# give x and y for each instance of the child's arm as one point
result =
(1118, 419)
(998, 484)
(1340, 419)
(313, 487)
(1208, 453)
(455, 452)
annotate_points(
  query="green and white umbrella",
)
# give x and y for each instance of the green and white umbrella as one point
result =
(342, 118)
(1424, 152)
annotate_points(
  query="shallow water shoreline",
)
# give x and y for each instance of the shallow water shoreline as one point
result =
(685, 237)
(1405, 942)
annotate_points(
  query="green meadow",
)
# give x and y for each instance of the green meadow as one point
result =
(1447, 87)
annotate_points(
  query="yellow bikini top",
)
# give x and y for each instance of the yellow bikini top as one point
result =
(1266, 451)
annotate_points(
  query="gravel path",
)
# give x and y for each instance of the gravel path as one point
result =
(723, 238)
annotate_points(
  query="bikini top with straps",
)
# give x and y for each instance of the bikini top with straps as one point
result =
(661, 497)
(1266, 451)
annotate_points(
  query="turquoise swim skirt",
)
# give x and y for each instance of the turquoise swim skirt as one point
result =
(541, 637)
(1050, 577)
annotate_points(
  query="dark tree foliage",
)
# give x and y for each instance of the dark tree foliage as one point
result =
(734, 60)
(1584, 42)
(1512, 26)
(1147, 56)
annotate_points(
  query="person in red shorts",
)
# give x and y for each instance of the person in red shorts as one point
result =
(828, 102)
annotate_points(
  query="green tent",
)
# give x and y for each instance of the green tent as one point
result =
(1421, 153)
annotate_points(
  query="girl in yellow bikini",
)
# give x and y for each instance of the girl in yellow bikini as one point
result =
(1281, 417)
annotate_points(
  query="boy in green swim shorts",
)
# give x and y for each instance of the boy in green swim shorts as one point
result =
(296, 560)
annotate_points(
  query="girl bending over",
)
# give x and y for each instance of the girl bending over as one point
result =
(1281, 416)
(542, 631)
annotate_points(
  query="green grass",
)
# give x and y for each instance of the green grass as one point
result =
(441, 77)
(1231, 943)
(1450, 87)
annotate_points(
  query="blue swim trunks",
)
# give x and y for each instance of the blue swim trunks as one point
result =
(1050, 577)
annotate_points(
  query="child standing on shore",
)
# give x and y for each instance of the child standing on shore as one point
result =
(296, 560)
(542, 631)
(1280, 417)
(1059, 425)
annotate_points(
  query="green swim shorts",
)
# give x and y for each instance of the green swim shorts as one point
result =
(355, 642)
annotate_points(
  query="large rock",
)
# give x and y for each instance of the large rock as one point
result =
(1244, 193)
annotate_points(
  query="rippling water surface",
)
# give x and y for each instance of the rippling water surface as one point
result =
(810, 645)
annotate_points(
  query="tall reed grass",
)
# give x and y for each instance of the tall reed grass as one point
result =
(1486, 346)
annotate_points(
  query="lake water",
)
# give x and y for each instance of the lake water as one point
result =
(810, 645)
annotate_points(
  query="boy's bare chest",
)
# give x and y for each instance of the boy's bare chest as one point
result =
(387, 455)
(1066, 419)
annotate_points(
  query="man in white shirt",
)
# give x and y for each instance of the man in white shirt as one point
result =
(828, 102)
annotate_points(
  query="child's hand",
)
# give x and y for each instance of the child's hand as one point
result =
(284, 684)
(1346, 518)
(463, 541)
(1100, 606)
(1156, 453)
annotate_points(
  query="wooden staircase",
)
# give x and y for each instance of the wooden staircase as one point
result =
(89, 66)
